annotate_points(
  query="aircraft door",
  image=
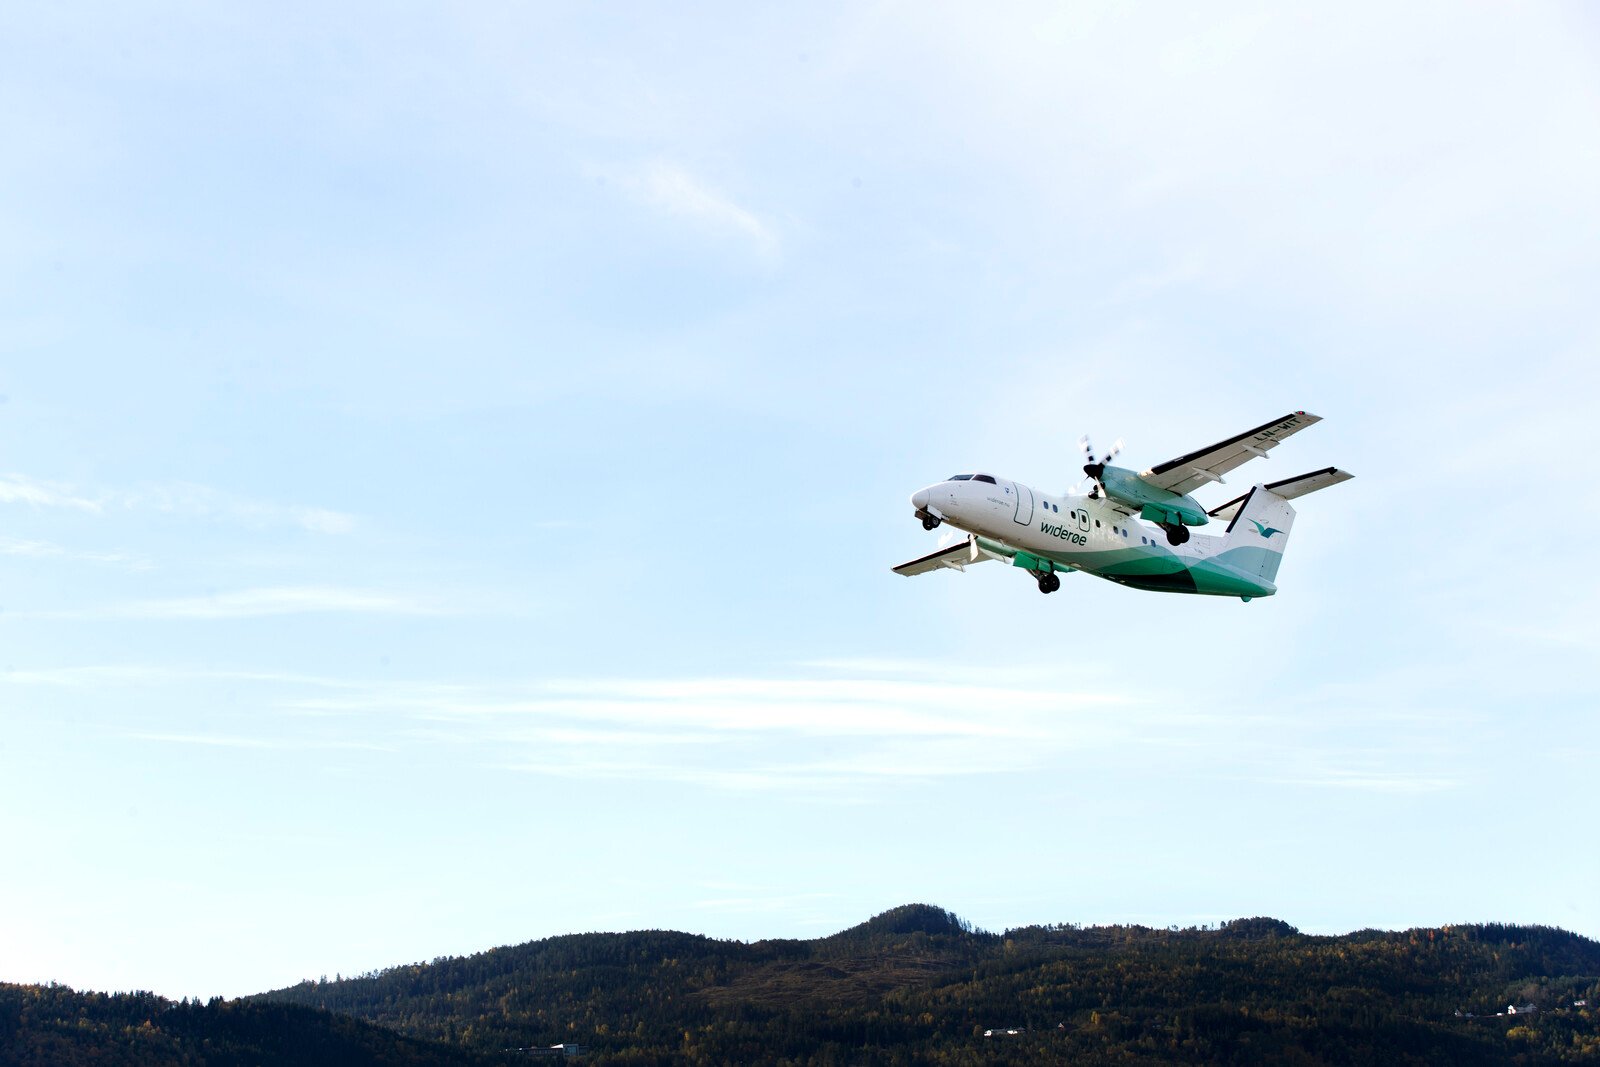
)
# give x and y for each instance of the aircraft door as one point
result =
(1024, 514)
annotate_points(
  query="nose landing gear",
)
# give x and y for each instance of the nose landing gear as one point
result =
(929, 522)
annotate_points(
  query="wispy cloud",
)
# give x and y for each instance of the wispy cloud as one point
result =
(124, 675)
(199, 501)
(832, 738)
(20, 489)
(825, 736)
(669, 187)
(1371, 781)
(255, 603)
(205, 503)
(804, 706)
(47, 550)
(234, 741)
(180, 498)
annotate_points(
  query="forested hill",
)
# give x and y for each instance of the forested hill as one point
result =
(918, 985)
(53, 1026)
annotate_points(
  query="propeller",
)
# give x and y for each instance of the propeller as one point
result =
(1096, 467)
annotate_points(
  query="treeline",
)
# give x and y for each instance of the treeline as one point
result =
(919, 985)
(915, 985)
(54, 1026)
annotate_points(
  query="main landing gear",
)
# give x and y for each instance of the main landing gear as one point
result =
(1177, 533)
(1049, 583)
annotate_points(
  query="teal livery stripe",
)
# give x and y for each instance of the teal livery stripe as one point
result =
(1234, 572)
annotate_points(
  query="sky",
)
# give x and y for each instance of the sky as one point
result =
(451, 458)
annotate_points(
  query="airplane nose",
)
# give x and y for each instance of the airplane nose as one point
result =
(919, 499)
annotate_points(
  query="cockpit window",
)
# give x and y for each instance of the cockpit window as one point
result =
(983, 478)
(959, 477)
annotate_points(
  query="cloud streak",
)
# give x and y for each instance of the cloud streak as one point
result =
(834, 736)
(177, 498)
(253, 603)
(235, 741)
(20, 489)
(839, 738)
(1370, 781)
(49, 550)
(668, 187)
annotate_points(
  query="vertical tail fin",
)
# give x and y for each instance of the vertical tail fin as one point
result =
(1254, 540)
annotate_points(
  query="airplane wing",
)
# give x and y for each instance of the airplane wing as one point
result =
(958, 556)
(1289, 488)
(1209, 464)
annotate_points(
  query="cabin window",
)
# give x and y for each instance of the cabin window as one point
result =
(1097, 524)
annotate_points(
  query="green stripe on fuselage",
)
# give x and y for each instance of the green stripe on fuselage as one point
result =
(1229, 573)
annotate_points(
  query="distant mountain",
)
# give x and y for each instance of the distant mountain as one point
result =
(907, 919)
(919, 985)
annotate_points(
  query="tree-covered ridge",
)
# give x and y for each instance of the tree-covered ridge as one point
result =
(54, 1026)
(917, 984)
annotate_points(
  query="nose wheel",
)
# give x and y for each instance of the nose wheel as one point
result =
(1049, 583)
(929, 522)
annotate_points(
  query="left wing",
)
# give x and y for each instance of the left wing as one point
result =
(956, 556)
(1209, 464)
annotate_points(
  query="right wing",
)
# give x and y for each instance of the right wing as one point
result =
(1289, 488)
(956, 556)
(1209, 464)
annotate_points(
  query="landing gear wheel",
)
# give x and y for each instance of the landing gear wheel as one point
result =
(930, 523)
(1049, 583)
(1177, 535)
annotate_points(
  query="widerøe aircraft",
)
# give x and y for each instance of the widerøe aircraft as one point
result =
(1112, 530)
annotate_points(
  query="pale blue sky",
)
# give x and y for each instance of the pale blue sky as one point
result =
(451, 458)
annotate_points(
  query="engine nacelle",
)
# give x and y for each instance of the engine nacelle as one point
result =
(1153, 505)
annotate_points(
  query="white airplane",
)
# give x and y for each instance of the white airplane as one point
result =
(1111, 531)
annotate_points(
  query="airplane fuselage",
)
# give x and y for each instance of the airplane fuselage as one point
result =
(1047, 534)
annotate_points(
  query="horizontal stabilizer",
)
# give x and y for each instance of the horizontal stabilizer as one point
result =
(957, 556)
(1288, 489)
